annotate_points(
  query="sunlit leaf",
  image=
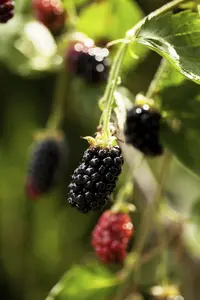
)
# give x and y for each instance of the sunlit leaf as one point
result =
(177, 38)
(84, 283)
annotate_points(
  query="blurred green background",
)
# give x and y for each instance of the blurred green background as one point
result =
(41, 240)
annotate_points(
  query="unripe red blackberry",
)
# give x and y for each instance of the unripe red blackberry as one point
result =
(95, 178)
(50, 13)
(142, 129)
(44, 166)
(88, 61)
(6, 10)
(111, 236)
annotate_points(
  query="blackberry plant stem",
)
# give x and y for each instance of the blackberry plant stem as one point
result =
(111, 86)
(153, 87)
(127, 189)
(70, 7)
(59, 101)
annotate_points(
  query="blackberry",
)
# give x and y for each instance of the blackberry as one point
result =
(111, 236)
(89, 62)
(44, 167)
(142, 129)
(95, 178)
(6, 10)
(50, 13)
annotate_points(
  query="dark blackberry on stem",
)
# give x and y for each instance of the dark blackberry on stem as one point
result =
(44, 166)
(95, 178)
(142, 129)
(6, 10)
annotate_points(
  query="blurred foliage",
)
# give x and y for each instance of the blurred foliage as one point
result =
(40, 241)
(101, 283)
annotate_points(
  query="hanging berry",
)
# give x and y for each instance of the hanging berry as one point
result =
(111, 236)
(89, 62)
(142, 129)
(44, 166)
(6, 10)
(95, 178)
(50, 13)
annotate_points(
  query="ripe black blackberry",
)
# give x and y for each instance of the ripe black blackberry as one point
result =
(89, 62)
(6, 10)
(142, 129)
(44, 166)
(95, 178)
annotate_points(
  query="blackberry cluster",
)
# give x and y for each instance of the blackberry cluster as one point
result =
(6, 10)
(142, 130)
(50, 13)
(111, 236)
(44, 167)
(95, 178)
(90, 63)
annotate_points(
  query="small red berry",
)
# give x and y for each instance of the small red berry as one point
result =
(111, 236)
(6, 10)
(50, 13)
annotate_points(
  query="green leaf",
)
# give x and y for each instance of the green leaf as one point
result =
(109, 19)
(177, 38)
(185, 144)
(84, 283)
(179, 99)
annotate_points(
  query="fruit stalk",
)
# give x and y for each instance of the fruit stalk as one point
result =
(153, 87)
(70, 7)
(111, 86)
(59, 101)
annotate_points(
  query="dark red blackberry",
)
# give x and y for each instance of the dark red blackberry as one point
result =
(111, 236)
(142, 129)
(90, 63)
(6, 10)
(50, 13)
(44, 166)
(95, 178)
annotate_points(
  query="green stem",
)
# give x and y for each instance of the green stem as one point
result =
(157, 78)
(59, 100)
(127, 189)
(147, 220)
(21, 6)
(70, 7)
(111, 86)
